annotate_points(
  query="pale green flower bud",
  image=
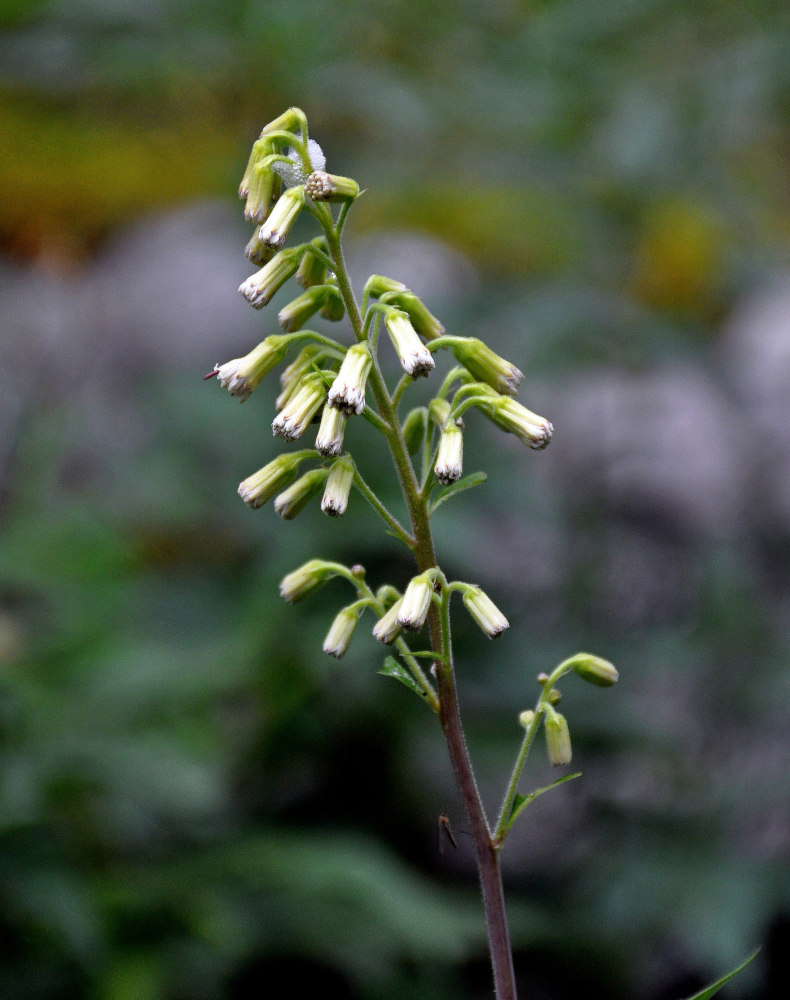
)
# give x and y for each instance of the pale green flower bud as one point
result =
(241, 376)
(558, 738)
(322, 186)
(414, 428)
(388, 628)
(423, 321)
(594, 669)
(293, 120)
(485, 612)
(264, 186)
(329, 440)
(259, 289)
(449, 456)
(485, 365)
(526, 718)
(312, 270)
(347, 392)
(338, 487)
(377, 285)
(341, 631)
(294, 315)
(511, 416)
(256, 489)
(416, 602)
(309, 577)
(414, 356)
(256, 252)
(282, 217)
(333, 308)
(291, 422)
(299, 494)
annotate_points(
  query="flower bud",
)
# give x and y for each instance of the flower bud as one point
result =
(322, 186)
(558, 738)
(312, 270)
(526, 718)
(414, 356)
(347, 392)
(594, 669)
(377, 285)
(263, 188)
(439, 411)
(511, 416)
(258, 253)
(485, 612)
(241, 376)
(449, 456)
(415, 427)
(486, 366)
(329, 440)
(293, 120)
(282, 217)
(259, 289)
(341, 632)
(299, 494)
(416, 601)
(423, 321)
(309, 577)
(338, 487)
(256, 489)
(333, 308)
(291, 422)
(294, 315)
(387, 628)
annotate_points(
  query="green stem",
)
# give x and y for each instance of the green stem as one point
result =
(439, 628)
(378, 506)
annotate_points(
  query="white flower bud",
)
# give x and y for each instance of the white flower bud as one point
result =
(329, 440)
(259, 289)
(558, 738)
(307, 578)
(291, 422)
(338, 487)
(449, 456)
(282, 217)
(347, 392)
(256, 489)
(414, 356)
(241, 376)
(485, 612)
(416, 602)
(387, 628)
(341, 632)
(299, 494)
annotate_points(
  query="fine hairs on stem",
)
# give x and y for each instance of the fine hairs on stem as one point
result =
(335, 382)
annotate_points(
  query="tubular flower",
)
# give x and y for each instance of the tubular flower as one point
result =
(388, 628)
(261, 486)
(485, 612)
(259, 289)
(329, 440)
(294, 315)
(347, 392)
(414, 356)
(486, 365)
(282, 217)
(341, 631)
(416, 601)
(449, 457)
(241, 376)
(299, 494)
(309, 577)
(291, 422)
(511, 416)
(338, 487)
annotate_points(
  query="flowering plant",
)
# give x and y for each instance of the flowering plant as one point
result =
(334, 382)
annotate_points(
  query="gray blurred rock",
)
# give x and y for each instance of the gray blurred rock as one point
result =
(756, 357)
(665, 445)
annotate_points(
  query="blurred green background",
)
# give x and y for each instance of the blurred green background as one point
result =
(194, 803)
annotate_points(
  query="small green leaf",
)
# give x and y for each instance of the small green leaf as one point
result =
(709, 991)
(473, 479)
(394, 669)
(520, 802)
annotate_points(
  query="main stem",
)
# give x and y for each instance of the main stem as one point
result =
(439, 626)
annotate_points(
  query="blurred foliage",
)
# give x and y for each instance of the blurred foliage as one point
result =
(193, 803)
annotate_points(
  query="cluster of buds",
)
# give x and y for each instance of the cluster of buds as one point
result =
(326, 382)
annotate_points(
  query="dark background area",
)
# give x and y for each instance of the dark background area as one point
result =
(195, 802)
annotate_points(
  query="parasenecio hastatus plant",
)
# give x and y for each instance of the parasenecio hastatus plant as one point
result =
(330, 382)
